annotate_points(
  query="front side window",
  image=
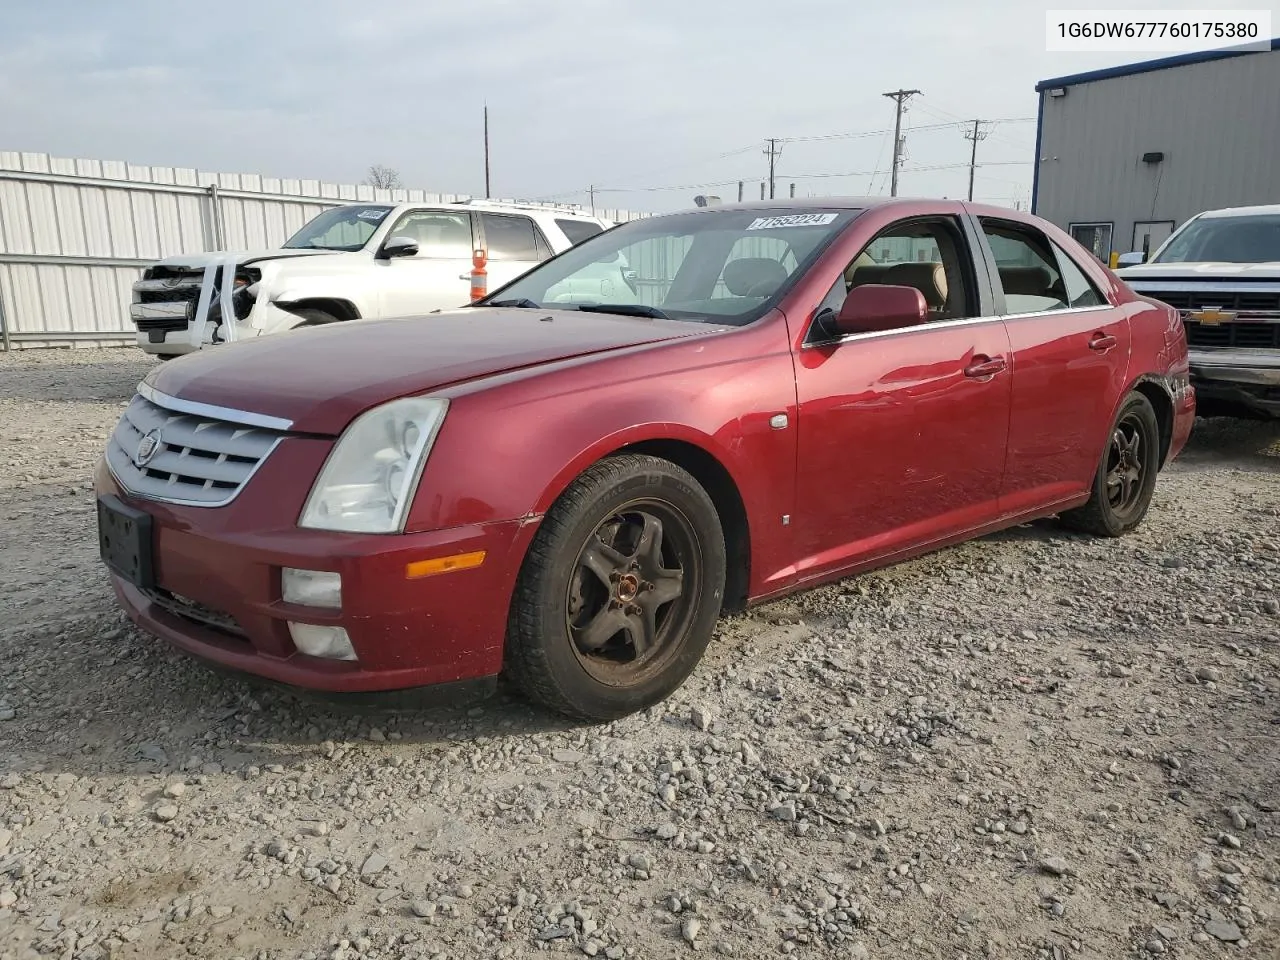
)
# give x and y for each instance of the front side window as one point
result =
(929, 254)
(719, 266)
(440, 234)
(1225, 240)
(510, 238)
(341, 228)
(1027, 268)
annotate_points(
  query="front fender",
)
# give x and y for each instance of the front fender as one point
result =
(508, 451)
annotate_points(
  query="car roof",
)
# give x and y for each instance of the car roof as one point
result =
(1261, 210)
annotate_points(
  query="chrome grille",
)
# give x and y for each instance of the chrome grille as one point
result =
(197, 460)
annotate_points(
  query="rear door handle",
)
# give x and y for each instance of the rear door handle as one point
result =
(1102, 342)
(984, 367)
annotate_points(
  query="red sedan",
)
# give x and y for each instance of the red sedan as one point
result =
(568, 482)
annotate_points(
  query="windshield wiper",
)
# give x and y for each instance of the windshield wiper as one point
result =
(624, 309)
(522, 302)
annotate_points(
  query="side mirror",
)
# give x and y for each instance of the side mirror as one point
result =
(873, 307)
(1131, 259)
(399, 247)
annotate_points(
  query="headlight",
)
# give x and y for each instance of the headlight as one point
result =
(371, 474)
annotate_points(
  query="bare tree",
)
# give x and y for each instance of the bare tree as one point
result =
(383, 178)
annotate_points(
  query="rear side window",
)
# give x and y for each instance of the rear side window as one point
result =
(579, 230)
(1080, 289)
(509, 237)
(1028, 269)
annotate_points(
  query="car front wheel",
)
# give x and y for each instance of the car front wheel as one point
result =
(620, 591)
(1126, 477)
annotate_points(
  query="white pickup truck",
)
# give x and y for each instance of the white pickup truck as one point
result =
(1221, 271)
(353, 262)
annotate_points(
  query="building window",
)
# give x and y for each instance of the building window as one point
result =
(1094, 237)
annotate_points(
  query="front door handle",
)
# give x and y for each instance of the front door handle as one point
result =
(1102, 342)
(981, 367)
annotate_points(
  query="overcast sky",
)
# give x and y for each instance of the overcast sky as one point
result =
(629, 96)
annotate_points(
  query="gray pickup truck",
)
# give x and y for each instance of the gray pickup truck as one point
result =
(1221, 271)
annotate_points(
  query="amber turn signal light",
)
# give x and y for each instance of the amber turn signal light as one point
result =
(429, 568)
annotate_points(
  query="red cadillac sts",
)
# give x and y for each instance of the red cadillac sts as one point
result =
(570, 481)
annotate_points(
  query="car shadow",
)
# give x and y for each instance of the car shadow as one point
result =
(1249, 444)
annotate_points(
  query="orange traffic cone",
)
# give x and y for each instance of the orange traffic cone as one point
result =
(479, 276)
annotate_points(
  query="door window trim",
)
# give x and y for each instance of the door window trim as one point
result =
(941, 324)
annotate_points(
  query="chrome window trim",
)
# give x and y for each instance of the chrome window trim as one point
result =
(176, 501)
(946, 324)
(1232, 285)
(212, 411)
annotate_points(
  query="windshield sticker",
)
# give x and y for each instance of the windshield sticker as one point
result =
(795, 220)
(372, 214)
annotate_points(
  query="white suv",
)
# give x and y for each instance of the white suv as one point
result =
(354, 262)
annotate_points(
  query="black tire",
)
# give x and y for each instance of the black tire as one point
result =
(1126, 477)
(311, 317)
(590, 634)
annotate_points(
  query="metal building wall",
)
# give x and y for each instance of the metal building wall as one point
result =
(75, 234)
(1217, 123)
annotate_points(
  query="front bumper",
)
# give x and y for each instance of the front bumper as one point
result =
(1249, 379)
(217, 597)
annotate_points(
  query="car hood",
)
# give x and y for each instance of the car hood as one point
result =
(200, 260)
(321, 378)
(1200, 271)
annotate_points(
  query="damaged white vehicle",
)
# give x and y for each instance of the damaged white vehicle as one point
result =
(353, 262)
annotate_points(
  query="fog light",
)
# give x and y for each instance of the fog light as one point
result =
(312, 588)
(331, 643)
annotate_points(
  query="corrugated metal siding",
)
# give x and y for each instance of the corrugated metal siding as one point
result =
(1217, 123)
(75, 233)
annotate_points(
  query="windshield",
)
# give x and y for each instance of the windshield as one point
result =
(1226, 240)
(342, 228)
(714, 266)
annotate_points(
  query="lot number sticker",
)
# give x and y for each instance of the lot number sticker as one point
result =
(372, 214)
(795, 220)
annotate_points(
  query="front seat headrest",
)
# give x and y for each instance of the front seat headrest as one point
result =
(754, 277)
(929, 278)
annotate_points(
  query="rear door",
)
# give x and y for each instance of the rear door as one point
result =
(1070, 364)
(514, 245)
(902, 432)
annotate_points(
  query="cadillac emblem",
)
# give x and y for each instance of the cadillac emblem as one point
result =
(148, 446)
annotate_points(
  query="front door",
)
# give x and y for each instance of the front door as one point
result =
(438, 277)
(902, 432)
(1070, 363)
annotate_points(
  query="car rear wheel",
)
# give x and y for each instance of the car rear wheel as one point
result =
(1126, 477)
(620, 591)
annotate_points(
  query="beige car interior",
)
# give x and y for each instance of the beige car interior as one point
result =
(940, 282)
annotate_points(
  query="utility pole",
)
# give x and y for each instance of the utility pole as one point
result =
(592, 190)
(486, 150)
(899, 97)
(771, 152)
(976, 134)
(740, 186)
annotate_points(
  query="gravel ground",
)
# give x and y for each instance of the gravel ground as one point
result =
(1035, 745)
